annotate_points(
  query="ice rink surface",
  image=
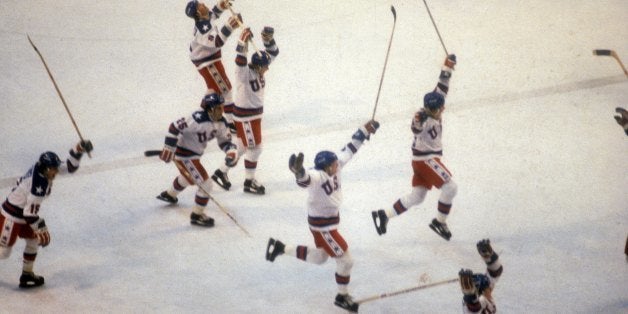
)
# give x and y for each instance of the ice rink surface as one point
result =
(528, 133)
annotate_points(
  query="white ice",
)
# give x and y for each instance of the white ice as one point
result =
(529, 136)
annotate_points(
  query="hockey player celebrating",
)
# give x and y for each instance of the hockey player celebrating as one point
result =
(19, 215)
(428, 169)
(249, 107)
(185, 143)
(325, 196)
(205, 48)
(477, 288)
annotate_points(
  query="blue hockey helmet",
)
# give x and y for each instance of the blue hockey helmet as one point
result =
(481, 282)
(212, 100)
(261, 59)
(433, 101)
(49, 160)
(324, 159)
(191, 8)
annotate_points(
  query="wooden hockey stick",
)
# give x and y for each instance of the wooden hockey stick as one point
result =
(381, 79)
(224, 210)
(435, 27)
(58, 91)
(242, 26)
(612, 53)
(403, 291)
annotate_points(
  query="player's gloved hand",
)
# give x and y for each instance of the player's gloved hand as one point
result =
(296, 165)
(267, 35)
(232, 128)
(234, 21)
(466, 282)
(246, 35)
(622, 118)
(84, 146)
(167, 153)
(231, 157)
(450, 61)
(224, 4)
(486, 251)
(41, 232)
(371, 126)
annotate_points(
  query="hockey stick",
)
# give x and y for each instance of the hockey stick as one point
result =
(151, 153)
(242, 26)
(58, 91)
(224, 210)
(612, 53)
(381, 79)
(435, 27)
(394, 293)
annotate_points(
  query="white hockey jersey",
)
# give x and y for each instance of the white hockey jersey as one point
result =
(325, 191)
(249, 97)
(205, 47)
(191, 134)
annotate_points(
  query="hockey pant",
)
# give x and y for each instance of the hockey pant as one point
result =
(216, 80)
(9, 233)
(250, 144)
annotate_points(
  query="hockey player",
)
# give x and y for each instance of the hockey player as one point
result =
(428, 169)
(622, 118)
(19, 215)
(249, 107)
(325, 196)
(477, 288)
(185, 143)
(205, 49)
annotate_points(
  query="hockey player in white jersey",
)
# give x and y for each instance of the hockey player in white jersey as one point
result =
(206, 48)
(325, 196)
(249, 107)
(428, 169)
(478, 288)
(185, 143)
(19, 215)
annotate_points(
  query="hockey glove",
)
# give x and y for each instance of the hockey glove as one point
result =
(622, 118)
(450, 61)
(246, 35)
(231, 157)
(224, 5)
(41, 232)
(296, 165)
(466, 282)
(234, 21)
(84, 146)
(167, 153)
(371, 126)
(232, 128)
(485, 250)
(267, 35)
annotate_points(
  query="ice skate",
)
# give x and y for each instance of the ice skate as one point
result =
(164, 196)
(441, 229)
(345, 301)
(221, 179)
(30, 280)
(201, 220)
(253, 187)
(383, 221)
(274, 249)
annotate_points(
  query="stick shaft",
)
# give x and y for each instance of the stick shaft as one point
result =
(435, 27)
(242, 26)
(403, 291)
(381, 79)
(41, 57)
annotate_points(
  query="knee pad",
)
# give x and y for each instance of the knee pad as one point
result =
(253, 153)
(204, 188)
(32, 246)
(344, 264)
(448, 191)
(415, 197)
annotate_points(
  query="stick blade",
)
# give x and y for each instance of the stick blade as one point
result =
(602, 52)
(151, 153)
(394, 12)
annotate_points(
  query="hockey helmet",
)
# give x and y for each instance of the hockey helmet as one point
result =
(481, 282)
(212, 100)
(49, 160)
(433, 101)
(324, 159)
(191, 9)
(261, 59)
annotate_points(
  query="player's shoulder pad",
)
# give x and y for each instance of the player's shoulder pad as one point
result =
(40, 184)
(203, 26)
(200, 116)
